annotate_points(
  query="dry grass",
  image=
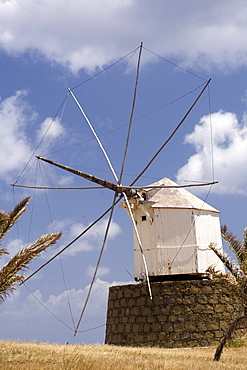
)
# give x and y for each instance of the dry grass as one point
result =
(36, 356)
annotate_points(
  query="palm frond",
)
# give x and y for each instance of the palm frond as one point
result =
(3, 218)
(237, 287)
(3, 251)
(244, 247)
(236, 280)
(7, 287)
(244, 243)
(8, 273)
(230, 265)
(45, 241)
(7, 220)
(228, 335)
(234, 243)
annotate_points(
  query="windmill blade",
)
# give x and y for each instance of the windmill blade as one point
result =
(106, 184)
(124, 188)
(173, 133)
(131, 116)
(132, 113)
(58, 187)
(98, 263)
(122, 170)
(87, 176)
(139, 243)
(73, 241)
(95, 135)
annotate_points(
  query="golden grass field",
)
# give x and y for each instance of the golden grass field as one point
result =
(35, 356)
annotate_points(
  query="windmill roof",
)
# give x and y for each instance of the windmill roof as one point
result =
(174, 197)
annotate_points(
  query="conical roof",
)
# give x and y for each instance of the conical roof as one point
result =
(174, 197)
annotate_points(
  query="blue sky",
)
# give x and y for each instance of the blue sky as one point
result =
(48, 46)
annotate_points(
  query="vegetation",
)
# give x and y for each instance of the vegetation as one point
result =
(29, 356)
(9, 274)
(235, 279)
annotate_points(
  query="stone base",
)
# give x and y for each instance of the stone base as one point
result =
(181, 314)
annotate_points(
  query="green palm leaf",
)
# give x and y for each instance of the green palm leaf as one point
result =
(235, 280)
(9, 274)
(234, 243)
(7, 220)
(230, 265)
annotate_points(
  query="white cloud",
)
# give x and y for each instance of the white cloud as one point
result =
(90, 241)
(66, 180)
(49, 129)
(229, 153)
(15, 147)
(100, 228)
(102, 271)
(90, 34)
(97, 302)
(30, 318)
(16, 118)
(244, 98)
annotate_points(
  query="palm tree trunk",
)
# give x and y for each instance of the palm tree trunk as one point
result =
(227, 336)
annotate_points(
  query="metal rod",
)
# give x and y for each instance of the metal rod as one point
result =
(172, 134)
(125, 187)
(72, 242)
(98, 263)
(131, 114)
(139, 243)
(95, 135)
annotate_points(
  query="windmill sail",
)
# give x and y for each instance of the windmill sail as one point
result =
(104, 183)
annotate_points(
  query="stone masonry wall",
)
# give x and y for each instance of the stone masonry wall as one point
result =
(181, 314)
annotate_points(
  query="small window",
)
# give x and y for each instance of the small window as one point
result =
(144, 218)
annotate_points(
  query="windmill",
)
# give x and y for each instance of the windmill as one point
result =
(176, 228)
(131, 197)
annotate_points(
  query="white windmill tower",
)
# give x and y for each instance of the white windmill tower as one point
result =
(176, 229)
